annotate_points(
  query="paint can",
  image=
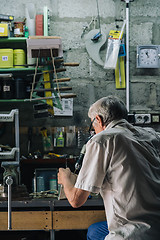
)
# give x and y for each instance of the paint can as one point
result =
(18, 58)
(6, 58)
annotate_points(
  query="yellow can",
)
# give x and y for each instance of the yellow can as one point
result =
(6, 58)
(19, 58)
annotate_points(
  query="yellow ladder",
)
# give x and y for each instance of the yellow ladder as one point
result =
(48, 94)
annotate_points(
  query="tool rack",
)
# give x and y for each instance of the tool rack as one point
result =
(14, 153)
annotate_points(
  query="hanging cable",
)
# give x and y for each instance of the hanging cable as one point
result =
(55, 73)
(35, 73)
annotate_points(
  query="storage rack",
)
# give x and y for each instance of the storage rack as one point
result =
(15, 151)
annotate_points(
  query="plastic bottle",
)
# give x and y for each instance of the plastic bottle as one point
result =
(60, 140)
(26, 32)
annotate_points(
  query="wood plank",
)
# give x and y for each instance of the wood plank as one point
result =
(44, 37)
(76, 219)
(27, 220)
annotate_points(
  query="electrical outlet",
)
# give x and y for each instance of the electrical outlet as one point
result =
(142, 118)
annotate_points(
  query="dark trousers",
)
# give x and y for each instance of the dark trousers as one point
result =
(97, 231)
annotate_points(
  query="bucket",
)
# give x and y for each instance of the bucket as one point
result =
(6, 58)
(19, 29)
(18, 58)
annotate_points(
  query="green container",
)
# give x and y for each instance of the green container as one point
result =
(18, 58)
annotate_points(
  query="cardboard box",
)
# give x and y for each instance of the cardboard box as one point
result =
(39, 25)
(41, 46)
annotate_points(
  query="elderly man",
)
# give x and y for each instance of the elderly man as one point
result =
(122, 163)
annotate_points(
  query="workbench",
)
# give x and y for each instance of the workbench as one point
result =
(51, 215)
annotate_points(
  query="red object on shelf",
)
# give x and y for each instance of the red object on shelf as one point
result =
(39, 25)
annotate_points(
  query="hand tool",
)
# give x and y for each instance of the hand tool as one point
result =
(29, 140)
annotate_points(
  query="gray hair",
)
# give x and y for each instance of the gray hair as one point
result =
(108, 108)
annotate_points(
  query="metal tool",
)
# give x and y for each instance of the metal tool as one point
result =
(9, 182)
(94, 41)
(96, 37)
(29, 140)
(99, 34)
(81, 155)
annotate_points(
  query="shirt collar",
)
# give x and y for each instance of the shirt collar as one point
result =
(114, 123)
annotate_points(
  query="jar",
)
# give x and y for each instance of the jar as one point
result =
(19, 29)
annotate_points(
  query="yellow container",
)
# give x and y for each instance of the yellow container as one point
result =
(6, 58)
(19, 58)
(4, 30)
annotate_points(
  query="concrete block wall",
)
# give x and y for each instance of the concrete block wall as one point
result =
(91, 81)
(144, 30)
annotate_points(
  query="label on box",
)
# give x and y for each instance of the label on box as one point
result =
(4, 29)
(1, 30)
(114, 34)
(67, 108)
(6, 88)
(4, 58)
(17, 31)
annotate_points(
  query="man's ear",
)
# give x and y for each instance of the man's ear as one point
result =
(100, 120)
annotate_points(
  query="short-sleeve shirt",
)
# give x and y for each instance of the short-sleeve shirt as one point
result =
(122, 163)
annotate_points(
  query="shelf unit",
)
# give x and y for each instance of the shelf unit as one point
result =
(16, 69)
(13, 39)
(13, 116)
(12, 42)
(15, 43)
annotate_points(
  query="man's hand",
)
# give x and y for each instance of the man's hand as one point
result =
(75, 196)
(63, 175)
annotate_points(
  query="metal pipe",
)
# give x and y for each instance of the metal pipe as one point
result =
(17, 134)
(9, 182)
(98, 16)
(127, 55)
(9, 208)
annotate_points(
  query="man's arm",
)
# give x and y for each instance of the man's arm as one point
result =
(76, 197)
